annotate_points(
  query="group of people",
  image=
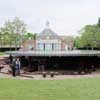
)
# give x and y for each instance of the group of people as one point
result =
(15, 67)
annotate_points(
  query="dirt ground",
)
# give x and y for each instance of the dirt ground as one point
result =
(48, 77)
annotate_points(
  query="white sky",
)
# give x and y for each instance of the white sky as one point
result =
(65, 16)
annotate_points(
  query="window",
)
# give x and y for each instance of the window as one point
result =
(56, 46)
(48, 47)
(40, 46)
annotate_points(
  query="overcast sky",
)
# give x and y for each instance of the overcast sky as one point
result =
(65, 16)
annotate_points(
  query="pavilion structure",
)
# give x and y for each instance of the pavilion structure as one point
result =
(49, 51)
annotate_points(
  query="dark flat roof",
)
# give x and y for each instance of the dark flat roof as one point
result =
(56, 53)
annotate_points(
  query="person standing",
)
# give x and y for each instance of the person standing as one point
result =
(10, 58)
(18, 66)
(14, 67)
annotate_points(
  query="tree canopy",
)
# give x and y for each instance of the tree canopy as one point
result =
(16, 26)
(11, 33)
(89, 37)
(29, 36)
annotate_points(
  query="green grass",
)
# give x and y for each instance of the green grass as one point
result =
(2, 54)
(70, 89)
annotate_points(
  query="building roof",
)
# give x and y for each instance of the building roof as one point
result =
(56, 53)
(47, 32)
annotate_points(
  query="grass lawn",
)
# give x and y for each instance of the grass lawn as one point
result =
(2, 53)
(69, 89)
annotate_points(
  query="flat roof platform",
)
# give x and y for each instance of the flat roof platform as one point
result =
(56, 53)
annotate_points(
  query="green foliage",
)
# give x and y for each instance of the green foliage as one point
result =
(29, 36)
(98, 22)
(77, 42)
(2, 54)
(90, 37)
(15, 26)
(12, 32)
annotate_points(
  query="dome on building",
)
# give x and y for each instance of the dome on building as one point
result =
(47, 32)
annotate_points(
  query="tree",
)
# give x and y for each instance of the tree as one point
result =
(98, 22)
(29, 36)
(15, 29)
(90, 36)
(15, 26)
(76, 42)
